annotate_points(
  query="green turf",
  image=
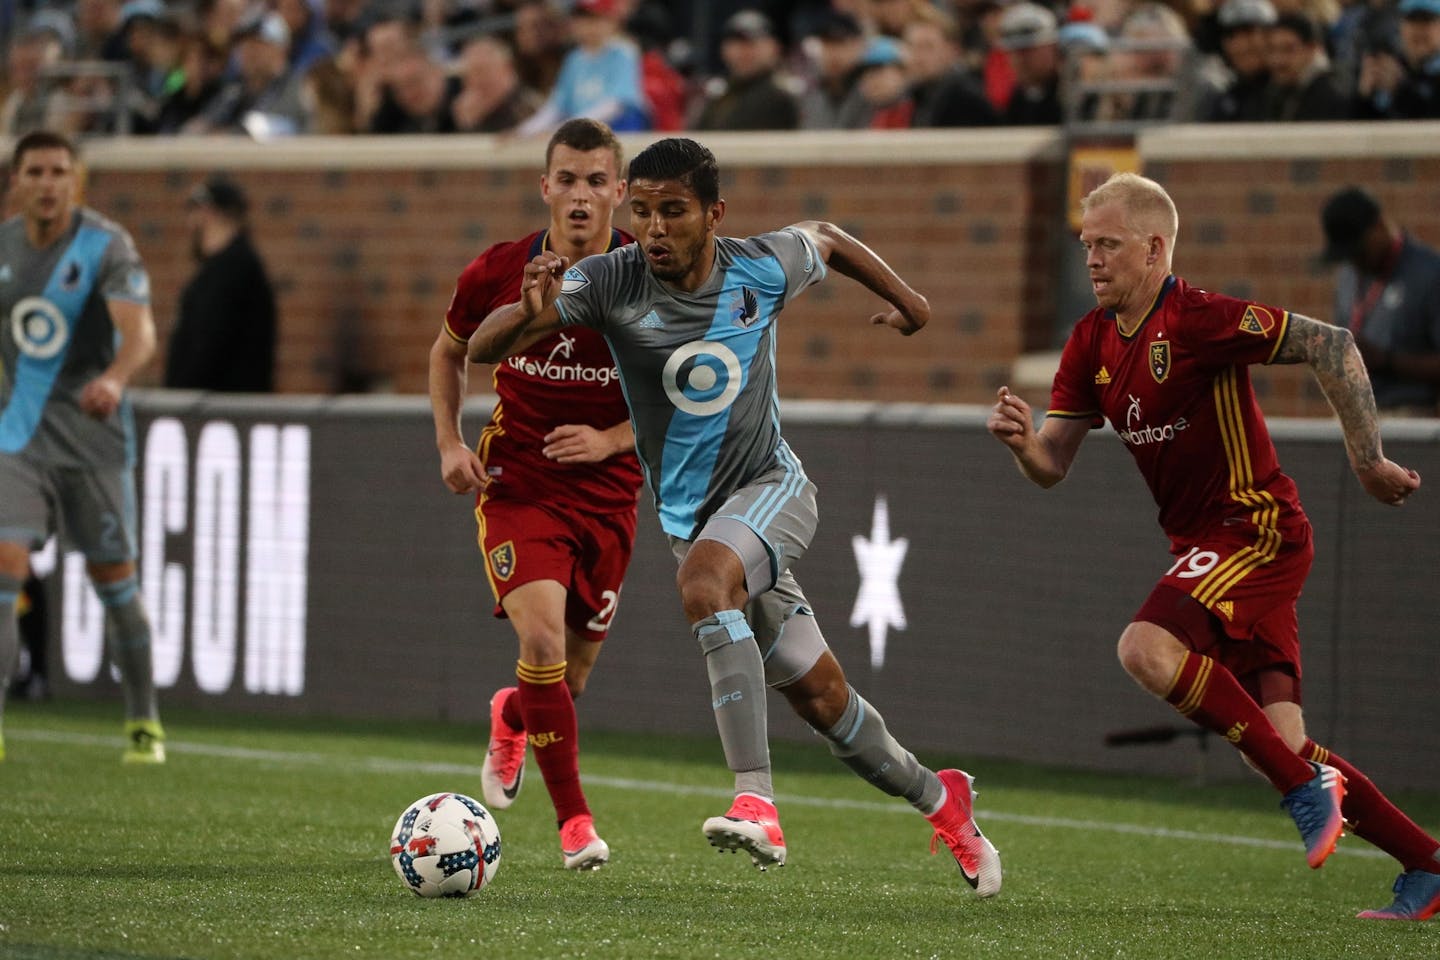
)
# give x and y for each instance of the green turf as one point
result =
(267, 838)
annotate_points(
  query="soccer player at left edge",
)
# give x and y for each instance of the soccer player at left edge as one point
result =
(75, 327)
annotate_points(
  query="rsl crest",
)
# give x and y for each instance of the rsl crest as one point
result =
(1159, 360)
(502, 560)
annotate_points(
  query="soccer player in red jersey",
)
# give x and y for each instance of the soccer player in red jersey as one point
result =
(1218, 638)
(556, 479)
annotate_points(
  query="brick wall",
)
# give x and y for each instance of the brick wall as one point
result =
(365, 237)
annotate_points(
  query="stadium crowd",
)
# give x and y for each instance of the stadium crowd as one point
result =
(274, 68)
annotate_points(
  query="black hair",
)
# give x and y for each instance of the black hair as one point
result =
(584, 134)
(1299, 24)
(676, 158)
(40, 140)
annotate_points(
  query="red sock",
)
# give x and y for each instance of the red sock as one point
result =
(1371, 815)
(510, 712)
(549, 714)
(1209, 695)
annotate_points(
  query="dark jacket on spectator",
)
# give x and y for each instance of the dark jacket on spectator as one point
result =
(752, 103)
(951, 100)
(224, 336)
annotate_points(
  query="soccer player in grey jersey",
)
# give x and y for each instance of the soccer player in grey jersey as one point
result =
(690, 317)
(75, 326)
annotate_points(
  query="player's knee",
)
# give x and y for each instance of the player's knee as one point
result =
(703, 594)
(1144, 659)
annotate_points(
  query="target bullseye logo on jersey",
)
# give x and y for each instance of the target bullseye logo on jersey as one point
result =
(1138, 433)
(556, 369)
(40, 329)
(702, 378)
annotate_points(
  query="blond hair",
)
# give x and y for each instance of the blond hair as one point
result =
(1148, 208)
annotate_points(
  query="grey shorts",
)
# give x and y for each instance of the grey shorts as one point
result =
(769, 525)
(93, 508)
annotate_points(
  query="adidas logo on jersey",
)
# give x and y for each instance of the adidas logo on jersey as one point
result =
(1226, 607)
(651, 321)
(1103, 377)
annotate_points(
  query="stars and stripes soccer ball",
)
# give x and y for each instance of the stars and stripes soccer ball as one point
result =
(445, 845)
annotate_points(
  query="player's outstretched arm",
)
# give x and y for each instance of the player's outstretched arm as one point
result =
(1338, 368)
(853, 259)
(460, 468)
(1043, 455)
(511, 328)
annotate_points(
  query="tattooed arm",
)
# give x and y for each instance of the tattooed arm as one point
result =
(1335, 361)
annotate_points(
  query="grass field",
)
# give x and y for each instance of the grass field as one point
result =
(267, 838)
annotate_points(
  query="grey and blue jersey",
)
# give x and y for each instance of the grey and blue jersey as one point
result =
(698, 369)
(56, 336)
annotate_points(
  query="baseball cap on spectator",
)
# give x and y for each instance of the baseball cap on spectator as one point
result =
(1420, 8)
(1084, 36)
(1346, 217)
(267, 26)
(219, 193)
(748, 25)
(54, 22)
(1026, 25)
(881, 52)
(837, 25)
(133, 10)
(1241, 14)
(595, 8)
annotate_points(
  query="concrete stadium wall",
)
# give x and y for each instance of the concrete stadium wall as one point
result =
(366, 235)
(301, 557)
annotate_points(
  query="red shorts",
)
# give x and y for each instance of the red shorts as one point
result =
(586, 552)
(1231, 597)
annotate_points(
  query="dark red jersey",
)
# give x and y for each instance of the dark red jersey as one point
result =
(569, 377)
(1177, 392)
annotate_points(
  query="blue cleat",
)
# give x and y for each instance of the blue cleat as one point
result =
(1417, 897)
(1315, 808)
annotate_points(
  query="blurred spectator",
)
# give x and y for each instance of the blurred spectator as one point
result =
(224, 336)
(24, 107)
(1030, 34)
(219, 19)
(1407, 87)
(599, 78)
(1387, 292)
(420, 93)
(310, 42)
(1085, 59)
(1158, 64)
(1302, 86)
(371, 60)
(1365, 26)
(344, 20)
(993, 63)
(540, 44)
(667, 92)
(491, 98)
(97, 30)
(203, 69)
(943, 93)
(834, 101)
(884, 84)
(155, 47)
(329, 98)
(890, 17)
(1240, 97)
(265, 99)
(751, 95)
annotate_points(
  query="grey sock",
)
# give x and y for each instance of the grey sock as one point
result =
(127, 630)
(862, 742)
(737, 694)
(9, 633)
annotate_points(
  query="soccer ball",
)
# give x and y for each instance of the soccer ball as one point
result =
(445, 845)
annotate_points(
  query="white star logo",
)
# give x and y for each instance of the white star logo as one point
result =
(878, 602)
